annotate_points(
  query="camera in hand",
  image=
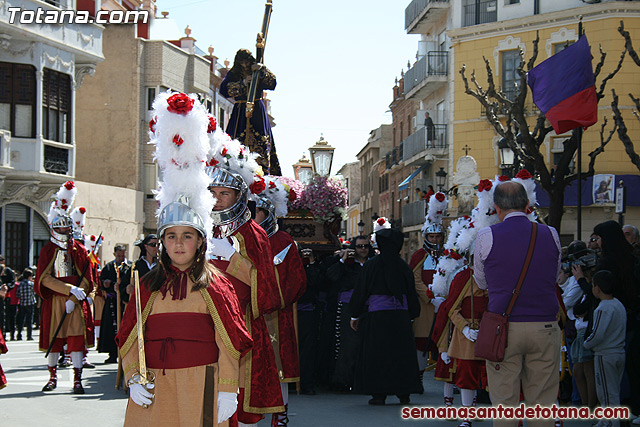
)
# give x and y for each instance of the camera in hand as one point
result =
(586, 258)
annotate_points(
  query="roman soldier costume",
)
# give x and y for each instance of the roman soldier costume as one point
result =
(241, 250)
(192, 338)
(63, 280)
(292, 282)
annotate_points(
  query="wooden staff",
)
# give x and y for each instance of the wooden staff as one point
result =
(120, 372)
(295, 327)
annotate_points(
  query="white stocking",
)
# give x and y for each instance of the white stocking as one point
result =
(284, 387)
(422, 360)
(52, 359)
(76, 359)
(448, 390)
(246, 425)
(96, 330)
(467, 396)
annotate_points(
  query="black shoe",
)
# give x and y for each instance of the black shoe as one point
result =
(88, 365)
(404, 399)
(19, 338)
(29, 338)
(378, 401)
(111, 359)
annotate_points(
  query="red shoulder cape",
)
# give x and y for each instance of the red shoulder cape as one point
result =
(442, 318)
(417, 258)
(225, 307)
(80, 261)
(292, 279)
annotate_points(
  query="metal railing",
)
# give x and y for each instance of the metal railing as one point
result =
(56, 160)
(394, 156)
(480, 12)
(415, 8)
(413, 213)
(435, 63)
(423, 139)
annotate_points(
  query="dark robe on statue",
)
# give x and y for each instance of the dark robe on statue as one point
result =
(257, 136)
(385, 300)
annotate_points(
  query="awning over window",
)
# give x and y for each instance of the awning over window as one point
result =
(405, 184)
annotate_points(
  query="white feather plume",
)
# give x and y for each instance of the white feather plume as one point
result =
(276, 192)
(181, 152)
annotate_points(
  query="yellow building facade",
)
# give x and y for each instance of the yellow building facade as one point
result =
(499, 41)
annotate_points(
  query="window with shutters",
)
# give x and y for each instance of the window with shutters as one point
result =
(56, 106)
(18, 99)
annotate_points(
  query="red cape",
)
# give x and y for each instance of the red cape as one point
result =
(417, 258)
(442, 318)
(225, 307)
(80, 262)
(3, 344)
(292, 280)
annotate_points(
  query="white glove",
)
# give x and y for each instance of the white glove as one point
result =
(89, 300)
(78, 293)
(140, 394)
(222, 248)
(227, 405)
(470, 334)
(436, 302)
(445, 357)
(69, 306)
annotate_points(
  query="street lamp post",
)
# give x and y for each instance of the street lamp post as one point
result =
(441, 178)
(361, 227)
(507, 157)
(303, 170)
(321, 157)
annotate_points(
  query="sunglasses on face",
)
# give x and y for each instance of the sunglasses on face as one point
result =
(363, 246)
(594, 239)
(153, 245)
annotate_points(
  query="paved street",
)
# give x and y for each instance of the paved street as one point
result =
(23, 404)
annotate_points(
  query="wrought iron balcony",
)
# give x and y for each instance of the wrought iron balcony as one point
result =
(422, 141)
(479, 12)
(413, 213)
(422, 13)
(56, 160)
(429, 67)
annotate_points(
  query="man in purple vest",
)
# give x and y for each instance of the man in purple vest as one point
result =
(532, 356)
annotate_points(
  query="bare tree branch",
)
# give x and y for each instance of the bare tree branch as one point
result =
(628, 44)
(600, 63)
(622, 131)
(635, 101)
(610, 76)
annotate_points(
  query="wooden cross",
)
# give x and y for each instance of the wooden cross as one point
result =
(466, 149)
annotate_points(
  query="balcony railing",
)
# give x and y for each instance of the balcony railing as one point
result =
(480, 12)
(415, 8)
(422, 140)
(413, 213)
(56, 160)
(394, 156)
(434, 64)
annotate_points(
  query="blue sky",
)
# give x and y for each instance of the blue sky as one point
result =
(335, 61)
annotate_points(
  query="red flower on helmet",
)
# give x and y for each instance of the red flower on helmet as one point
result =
(455, 255)
(152, 124)
(503, 178)
(212, 162)
(177, 140)
(63, 201)
(272, 185)
(213, 124)
(92, 238)
(258, 185)
(180, 103)
(64, 207)
(524, 174)
(485, 184)
(445, 252)
(69, 185)
(529, 210)
(82, 210)
(440, 196)
(341, 239)
(224, 151)
(380, 221)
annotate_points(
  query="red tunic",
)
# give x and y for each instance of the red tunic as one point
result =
(45, 266)
(261, 391)
(292, 281)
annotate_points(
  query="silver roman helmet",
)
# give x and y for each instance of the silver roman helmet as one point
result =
(179, 213)
(58, 222)
(228, 220)
(269, 224)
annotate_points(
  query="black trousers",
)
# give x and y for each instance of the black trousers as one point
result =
(308, 333)
(25, 317)
(10, 318)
